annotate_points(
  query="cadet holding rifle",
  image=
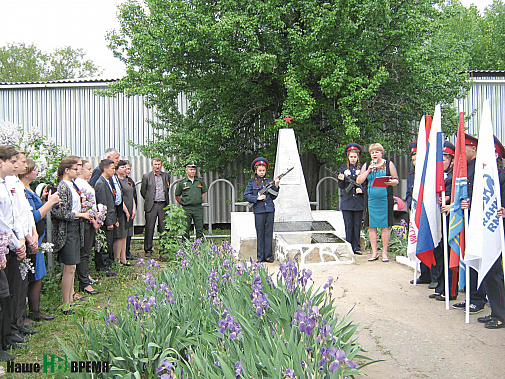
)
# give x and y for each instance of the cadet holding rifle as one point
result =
(263, 208)
(352, 202)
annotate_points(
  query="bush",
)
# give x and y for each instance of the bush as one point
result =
(43, 150)
(212, 317)
(175, 227)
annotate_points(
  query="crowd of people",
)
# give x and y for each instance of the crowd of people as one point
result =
(83, 202)
(376, 201)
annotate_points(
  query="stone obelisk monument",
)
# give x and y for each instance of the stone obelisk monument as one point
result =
(292, 205)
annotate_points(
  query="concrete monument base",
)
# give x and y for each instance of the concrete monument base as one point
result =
(324, 243)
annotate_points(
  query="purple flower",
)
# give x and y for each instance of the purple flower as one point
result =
(300, 315)
(111, 317)
(167, 365)
(238, 369)
(240, 268)
(226, 264)
(334, 366)
(180, 254)
(289, 373)
(321, 362)
(140, 262)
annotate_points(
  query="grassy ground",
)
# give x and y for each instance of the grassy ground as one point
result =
(113, 293)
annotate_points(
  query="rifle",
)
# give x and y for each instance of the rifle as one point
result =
(268, 187)
(352, 183)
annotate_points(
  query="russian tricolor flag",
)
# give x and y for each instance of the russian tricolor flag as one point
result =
(432, 185)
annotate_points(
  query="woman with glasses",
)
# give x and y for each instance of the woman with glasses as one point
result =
(68, 234)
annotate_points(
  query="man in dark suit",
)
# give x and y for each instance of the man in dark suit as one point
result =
(154, 190)
(111, 154)
(105, 196)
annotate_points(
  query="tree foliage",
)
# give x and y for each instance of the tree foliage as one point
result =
(478, 38)
(26, 63)
(343, 70)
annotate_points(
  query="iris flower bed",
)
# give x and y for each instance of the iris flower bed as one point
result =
(214, 317)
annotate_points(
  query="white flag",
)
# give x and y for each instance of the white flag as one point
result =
(483, 246)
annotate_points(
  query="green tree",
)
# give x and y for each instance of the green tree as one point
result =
(343, 70)
(24, 63)
(19, 62)
(477, 39)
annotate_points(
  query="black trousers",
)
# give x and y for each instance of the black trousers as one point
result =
(83, 267)
(495, 290)
(264, 223)
(18, 289)
(477, 295)
(156, 213)
(352, 222)
(102, 260)
(440, 275)
(5, 311)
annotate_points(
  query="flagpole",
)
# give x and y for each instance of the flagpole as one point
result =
(446, 257)
(467, 278)
(415, 273)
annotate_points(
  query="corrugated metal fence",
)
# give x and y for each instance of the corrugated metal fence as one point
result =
(72, 113)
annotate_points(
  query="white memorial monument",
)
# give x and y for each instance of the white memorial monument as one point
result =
(299, 232)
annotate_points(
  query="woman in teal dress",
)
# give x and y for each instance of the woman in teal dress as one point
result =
(379, 199)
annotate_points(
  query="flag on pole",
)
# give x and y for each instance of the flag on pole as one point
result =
(432, 183)
(457, 220)
(422, 140)
(484, 248)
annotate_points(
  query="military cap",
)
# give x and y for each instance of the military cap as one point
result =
(259, 161)
(191, 164)
(353, 147)
(499, 147)
(413, 148)
(449, 148)
(469, 140)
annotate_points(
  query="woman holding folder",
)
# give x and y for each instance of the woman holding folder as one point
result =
(381, 176)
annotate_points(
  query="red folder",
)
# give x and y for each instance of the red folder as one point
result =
(381, 181)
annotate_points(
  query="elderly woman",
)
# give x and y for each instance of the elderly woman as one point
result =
(379, 198)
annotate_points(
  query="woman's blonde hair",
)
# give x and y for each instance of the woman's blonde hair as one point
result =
(376, 147)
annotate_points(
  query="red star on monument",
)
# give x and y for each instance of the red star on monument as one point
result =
(288, 121)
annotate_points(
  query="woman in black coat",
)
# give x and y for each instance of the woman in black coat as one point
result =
(352, 201)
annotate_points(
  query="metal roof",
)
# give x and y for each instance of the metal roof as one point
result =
(485, 73)
(60, 83)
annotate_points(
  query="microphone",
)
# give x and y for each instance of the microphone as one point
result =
(374, 161)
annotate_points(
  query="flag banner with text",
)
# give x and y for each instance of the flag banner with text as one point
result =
(484, 248)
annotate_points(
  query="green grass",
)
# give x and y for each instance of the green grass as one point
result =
(113, 293)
